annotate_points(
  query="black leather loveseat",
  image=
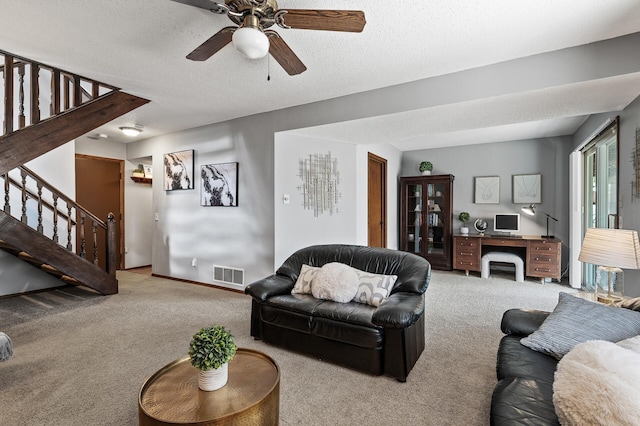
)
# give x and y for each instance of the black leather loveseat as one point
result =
(378, 340)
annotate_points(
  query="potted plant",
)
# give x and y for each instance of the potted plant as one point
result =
(464, 217)
(137, 173)
(210, 350)
(426, 167)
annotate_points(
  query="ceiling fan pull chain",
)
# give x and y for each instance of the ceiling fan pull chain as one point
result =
(268, 68)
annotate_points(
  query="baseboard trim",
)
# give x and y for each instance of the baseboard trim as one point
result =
(198, 283)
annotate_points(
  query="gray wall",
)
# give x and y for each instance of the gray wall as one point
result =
(244, 237)
(548, 157)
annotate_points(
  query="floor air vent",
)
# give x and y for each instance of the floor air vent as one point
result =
(228, 275)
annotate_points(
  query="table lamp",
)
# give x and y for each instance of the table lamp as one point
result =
(612, 250)
(531, 211)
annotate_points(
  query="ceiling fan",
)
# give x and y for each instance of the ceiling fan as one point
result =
(253, 39)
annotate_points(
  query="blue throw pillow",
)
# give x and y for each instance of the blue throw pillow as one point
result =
(575, 320)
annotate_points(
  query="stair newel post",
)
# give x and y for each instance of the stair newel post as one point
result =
(40, 228)
(95, 242)
(7, 205)
(83, 251)
(69, 225)
(24, 196)
(111, 244)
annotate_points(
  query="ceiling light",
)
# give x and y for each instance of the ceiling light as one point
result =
(132, 131)
(249, 40)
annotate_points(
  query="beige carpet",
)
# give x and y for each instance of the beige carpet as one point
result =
(80, 359)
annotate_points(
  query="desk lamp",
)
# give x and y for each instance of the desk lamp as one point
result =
(531, 211)
(612, 250)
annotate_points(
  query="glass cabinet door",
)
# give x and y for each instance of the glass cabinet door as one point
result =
(435, 219)
(414, 218)
(425, 218)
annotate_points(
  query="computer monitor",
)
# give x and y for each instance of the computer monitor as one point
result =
(506, 222)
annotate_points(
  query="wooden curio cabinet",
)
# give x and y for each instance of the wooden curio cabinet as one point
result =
(426, 213)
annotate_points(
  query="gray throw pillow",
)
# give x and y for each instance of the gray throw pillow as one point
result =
(575, 320)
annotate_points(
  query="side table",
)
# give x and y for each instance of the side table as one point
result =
(250, 397)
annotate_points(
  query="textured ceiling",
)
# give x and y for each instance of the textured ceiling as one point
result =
(140, 46)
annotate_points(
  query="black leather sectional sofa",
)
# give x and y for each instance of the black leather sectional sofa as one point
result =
(524, 393)
(377, 340)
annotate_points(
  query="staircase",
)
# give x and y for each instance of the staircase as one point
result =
(45, 107)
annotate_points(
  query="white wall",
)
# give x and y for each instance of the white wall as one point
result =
(296, 227)
(58, 168)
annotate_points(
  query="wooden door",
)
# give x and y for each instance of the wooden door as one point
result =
(377, 183)
(100, 189)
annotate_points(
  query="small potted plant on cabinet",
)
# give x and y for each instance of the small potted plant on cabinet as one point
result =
(464, 217)
(426, 167)
(210, 351)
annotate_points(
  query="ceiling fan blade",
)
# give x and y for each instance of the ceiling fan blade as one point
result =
(282, 53)
(205, 4)
(329, 20)
(211, 46)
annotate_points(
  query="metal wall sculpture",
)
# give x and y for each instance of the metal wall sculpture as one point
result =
(320, 179)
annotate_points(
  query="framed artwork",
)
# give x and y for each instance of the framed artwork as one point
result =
(148, 171)
(178, 170)
(487, 189)
(526, 189)
(219, 185)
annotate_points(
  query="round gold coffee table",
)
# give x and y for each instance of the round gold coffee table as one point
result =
(250, 397)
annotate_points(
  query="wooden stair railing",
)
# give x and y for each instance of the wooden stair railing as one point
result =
(49, 199)
(77, 105)
(67, 90)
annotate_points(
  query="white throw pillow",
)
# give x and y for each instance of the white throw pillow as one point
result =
(373, 289)
(335, 281)
(305, 278)
(632, 343)
(598, 383)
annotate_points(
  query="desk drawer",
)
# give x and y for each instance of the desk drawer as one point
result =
(539, 247)
(543, 259)
(466, 254)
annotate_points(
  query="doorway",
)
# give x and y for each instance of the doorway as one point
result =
(377, 201)
(601, 158)
(100, 189)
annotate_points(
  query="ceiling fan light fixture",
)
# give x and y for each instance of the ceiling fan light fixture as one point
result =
(249, 40)
(131, 131)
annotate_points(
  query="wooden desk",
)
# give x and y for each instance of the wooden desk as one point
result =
(250, 397)
(542, 257)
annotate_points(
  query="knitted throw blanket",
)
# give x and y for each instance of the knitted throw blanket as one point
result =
(6, 347)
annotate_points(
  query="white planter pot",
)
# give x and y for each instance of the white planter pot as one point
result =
(211, 380)
(464, 230)
(426, 172)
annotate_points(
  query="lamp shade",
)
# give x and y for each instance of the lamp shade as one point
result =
(618, 248)
(530, 210)
(251, 42)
